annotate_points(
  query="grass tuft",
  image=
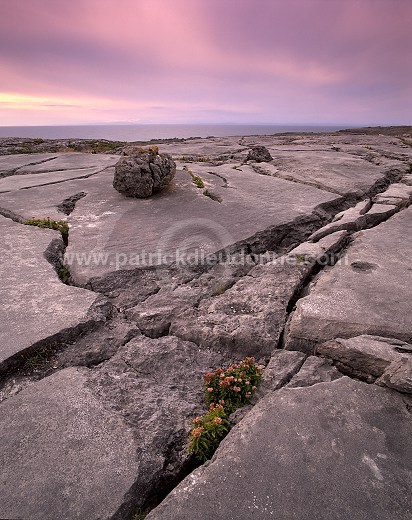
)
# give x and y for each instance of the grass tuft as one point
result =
(49, 223)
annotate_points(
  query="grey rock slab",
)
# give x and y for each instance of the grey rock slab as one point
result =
(248, 318)
(352, 219)
(61, 169)
(328, 244)
(360, 208)
(379, 213)
(336, 450)
(341, 173)
(157, 386)
(35, 306)
(407, 179)
(156, 313)
(363, 216)
(398, 375)
(96, 346)
(209, 148)
(11, 164)
(282, 367)
(15, 183)
(44, 201)
(315, 370)
(363, 356)
(367, 292)
(182, 225)
(399, 194)
(63, 454)
(72, 161)
(99, 443)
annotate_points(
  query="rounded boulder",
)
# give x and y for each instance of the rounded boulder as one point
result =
(142, 172)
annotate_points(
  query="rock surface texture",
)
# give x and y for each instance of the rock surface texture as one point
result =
(143, 172)
(333, 450)
(294, 249)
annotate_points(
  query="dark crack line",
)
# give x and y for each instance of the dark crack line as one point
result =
(13, 172)
(61, 181)
(278, 175)
(12, 216)
(225, 181)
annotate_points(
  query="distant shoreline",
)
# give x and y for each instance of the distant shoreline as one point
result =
(146, 133)
(29, 145)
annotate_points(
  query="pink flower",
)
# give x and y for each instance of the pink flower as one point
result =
(197, 432)
(236, 388)
(217, 420)
(247, 382)
(210, 389)
(254, 387)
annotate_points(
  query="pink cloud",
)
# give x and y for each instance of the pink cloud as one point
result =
(247, 60)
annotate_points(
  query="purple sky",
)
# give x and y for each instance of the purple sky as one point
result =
(205, 61)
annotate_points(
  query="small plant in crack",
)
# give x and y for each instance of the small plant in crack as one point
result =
(33, 361)
(236, 168)
(49, 223)
(138, 515)
(197, 181)
(63, 273)
(225, 391)
(212, 196)
(207, 432)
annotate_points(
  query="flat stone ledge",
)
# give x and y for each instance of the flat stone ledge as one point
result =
(35, 306)
(336, 450)
(63, 454)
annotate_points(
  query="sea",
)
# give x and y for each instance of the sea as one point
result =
(146, 132)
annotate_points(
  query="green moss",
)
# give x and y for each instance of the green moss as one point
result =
(49, 223)
(63, 273)
(197, 181)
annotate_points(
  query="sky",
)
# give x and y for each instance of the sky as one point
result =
(206, 61)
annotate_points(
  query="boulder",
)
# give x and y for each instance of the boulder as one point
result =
(143, 172)
(259, 154)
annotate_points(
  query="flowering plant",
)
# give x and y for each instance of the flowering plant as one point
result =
(233, 387)
(207, 432)
(225, 391)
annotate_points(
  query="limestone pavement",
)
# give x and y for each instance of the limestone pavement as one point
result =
(302, 260)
